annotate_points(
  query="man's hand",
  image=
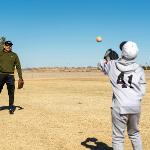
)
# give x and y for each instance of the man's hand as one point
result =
(20, 83)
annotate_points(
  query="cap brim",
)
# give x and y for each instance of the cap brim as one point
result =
(8, 44)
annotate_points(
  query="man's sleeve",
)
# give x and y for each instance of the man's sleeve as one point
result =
(18, 67)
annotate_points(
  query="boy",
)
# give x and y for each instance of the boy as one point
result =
(128, 85)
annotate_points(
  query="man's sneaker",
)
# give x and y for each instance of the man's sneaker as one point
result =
(11, 110)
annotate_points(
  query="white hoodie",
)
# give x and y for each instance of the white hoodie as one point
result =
(128, 84)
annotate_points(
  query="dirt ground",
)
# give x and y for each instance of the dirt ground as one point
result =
(64, 111)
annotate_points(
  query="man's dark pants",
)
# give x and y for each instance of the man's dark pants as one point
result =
(10, 82)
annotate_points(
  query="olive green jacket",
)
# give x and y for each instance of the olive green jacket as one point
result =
(8, 62)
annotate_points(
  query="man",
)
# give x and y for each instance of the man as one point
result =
(128, 85)
(8, 61)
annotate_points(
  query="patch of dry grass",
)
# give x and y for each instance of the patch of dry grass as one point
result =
(61, 110)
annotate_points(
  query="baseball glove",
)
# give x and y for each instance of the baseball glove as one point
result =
(20, 83)
(110, 55)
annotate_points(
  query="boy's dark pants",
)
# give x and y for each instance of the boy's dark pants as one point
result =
(10, 82)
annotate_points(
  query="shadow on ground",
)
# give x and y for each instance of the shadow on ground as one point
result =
(7, 107)
(94, 144)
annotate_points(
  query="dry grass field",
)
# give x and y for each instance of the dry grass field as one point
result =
(59, 111)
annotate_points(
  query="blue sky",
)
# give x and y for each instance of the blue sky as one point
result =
(49, 33)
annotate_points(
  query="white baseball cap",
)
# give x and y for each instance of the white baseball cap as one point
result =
(129, 50)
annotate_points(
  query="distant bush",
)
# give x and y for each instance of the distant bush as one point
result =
(146, 67)
(2, 41)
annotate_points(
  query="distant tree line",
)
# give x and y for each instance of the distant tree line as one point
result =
(146, 67)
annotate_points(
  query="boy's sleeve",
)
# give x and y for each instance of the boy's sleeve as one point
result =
(142, 83)
(104, 66)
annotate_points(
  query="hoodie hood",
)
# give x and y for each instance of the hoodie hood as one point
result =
(124, 65)
(129, 50)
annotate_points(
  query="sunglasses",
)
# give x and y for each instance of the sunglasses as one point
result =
(8, 45)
